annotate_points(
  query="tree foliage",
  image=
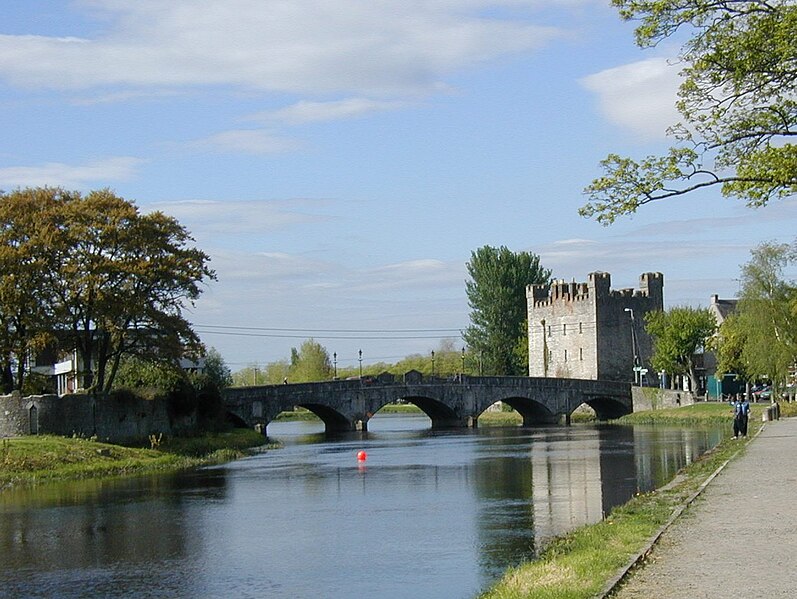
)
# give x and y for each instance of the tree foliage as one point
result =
(738, 102)
(760, 341)
(497, 297)
(105, 279)
(310, 363)
(678, 334)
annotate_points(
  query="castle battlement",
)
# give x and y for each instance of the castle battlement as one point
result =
(589, 330)
(598, 286)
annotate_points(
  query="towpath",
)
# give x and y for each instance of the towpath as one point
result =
(739, 538)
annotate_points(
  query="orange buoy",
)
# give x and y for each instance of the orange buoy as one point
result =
(361, 456)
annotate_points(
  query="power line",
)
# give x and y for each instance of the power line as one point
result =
(304, 336)
(296, 330)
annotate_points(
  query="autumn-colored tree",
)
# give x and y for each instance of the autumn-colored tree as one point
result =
(29, 221)
(107, 280)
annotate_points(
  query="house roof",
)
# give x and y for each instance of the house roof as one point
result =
(722, 307)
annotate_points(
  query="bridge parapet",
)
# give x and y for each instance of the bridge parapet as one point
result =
(449, 402)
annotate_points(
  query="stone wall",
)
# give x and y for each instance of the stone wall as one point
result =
(653, 398)
(583, 330)
(110, 419)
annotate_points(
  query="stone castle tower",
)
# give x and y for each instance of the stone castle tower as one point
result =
(590, 331)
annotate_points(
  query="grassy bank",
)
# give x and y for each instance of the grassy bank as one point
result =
(28, 460)
(580, 564)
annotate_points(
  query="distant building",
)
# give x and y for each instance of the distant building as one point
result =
(717, 387)
(590, 331)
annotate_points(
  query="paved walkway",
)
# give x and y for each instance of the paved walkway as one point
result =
(739, 538)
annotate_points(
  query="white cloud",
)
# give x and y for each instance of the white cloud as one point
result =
(56, 174)
(639, 96)
(246, 141)
(242, 217)
(374, 48)
(310, 112)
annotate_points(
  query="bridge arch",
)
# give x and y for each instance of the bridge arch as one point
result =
(334, 421)
(607, 408)
(441, 415)
(532, 411)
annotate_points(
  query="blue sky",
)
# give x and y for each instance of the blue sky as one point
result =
(339, 161)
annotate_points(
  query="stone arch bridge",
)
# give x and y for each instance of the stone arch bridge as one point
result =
(347, 405)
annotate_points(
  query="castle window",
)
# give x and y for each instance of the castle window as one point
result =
(564, 329)
(565, 355)
(580, 328)
(580, 353)
(549, 330)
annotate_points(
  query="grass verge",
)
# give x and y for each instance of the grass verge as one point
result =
(41, 458)
(581, 564)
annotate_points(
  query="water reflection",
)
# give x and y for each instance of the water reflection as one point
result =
(432, 514)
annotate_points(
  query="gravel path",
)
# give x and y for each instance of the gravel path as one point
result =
(739, 538)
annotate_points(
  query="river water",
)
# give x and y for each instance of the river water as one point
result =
(438, 515)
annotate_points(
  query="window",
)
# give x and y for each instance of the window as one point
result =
(565, 355)
(580, 328)
(581, 353)
(564, 329)
(549, 330)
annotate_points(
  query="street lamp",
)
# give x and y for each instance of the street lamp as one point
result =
(254, 376)
(335, 363)
(463, 360)
(361, 363)
(634, 346)
(432, 362)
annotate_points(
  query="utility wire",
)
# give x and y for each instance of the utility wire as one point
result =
(296, 330)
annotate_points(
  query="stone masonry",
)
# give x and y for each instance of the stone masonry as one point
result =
(584, 330)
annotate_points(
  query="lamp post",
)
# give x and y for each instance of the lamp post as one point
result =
(463, 360)
(361, 363)
(335, 364)
(433, 363)
(254, 376)
(634, 346)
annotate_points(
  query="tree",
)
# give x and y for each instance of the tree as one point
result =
(738, 101)
(761, 339)
(28, 219)
(497, 296)
(216, 368)
(122, 283)
(97, 275)
(310, 363)
(678, 334)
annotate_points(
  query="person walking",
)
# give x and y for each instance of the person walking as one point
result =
(741, 414)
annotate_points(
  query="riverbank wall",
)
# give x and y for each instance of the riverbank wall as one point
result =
(114, 419)
(654, 398)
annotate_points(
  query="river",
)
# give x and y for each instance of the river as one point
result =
(438, 515)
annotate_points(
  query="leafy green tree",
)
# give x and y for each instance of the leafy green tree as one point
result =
(678, 334)
(738, 102)
(310, 363)
(216, 368)
(497, 297)
(761, 339)
(729, 346)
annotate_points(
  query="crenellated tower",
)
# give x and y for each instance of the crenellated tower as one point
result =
(589, 330)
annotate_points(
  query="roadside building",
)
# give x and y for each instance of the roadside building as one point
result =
(716, 387)
(590, 331)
